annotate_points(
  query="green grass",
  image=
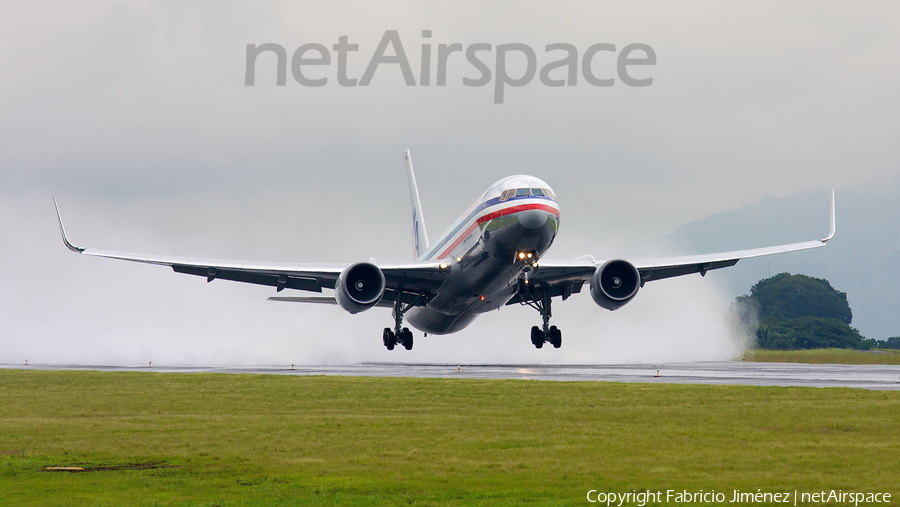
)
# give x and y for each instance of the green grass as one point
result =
(825, 356)
(217, 439)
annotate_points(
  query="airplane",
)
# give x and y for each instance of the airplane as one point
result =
(491, 256)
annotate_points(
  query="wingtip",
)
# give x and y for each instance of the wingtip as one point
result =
(62, 231)
(831, 223)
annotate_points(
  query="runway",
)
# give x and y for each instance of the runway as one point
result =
(876, 377)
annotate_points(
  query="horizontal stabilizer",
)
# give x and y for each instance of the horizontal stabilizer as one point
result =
(325, 300)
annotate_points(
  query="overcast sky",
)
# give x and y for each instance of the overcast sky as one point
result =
(136, 116)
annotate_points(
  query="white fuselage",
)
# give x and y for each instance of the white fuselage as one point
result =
(489, 249)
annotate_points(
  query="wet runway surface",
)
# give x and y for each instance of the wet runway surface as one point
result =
(878, 377)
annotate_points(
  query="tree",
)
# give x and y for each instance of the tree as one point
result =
(891, 343)
(810, 333)
(799, 312)
(787, 296)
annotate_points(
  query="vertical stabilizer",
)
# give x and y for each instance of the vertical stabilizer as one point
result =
(420, 237)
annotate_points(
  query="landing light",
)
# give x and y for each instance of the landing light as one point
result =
(521, 255)
(459, 259)
(529, 255)
(444, 265)
(534, 264)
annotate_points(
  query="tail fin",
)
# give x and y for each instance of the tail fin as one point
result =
(420, 236)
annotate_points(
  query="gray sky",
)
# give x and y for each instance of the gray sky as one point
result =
(135, 115)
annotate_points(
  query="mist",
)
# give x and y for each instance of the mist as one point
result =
(71, 309)
(136, 117)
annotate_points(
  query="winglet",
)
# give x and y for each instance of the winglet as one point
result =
(62, 231)
(831, 229)
(420, 236)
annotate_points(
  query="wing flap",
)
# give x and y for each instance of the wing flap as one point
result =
(281, 281)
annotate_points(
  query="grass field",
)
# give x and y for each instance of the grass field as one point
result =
(825, 356)
(218, 439)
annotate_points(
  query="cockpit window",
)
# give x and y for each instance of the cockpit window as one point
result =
(523, 192)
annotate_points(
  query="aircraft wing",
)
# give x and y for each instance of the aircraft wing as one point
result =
(566, 278)
(411, 282)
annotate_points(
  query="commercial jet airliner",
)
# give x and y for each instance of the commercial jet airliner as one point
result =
(490, 257)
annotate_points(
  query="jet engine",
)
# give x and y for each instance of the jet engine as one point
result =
(359, 287)
(614, 284)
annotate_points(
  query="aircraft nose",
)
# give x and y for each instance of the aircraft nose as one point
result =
(533, 218)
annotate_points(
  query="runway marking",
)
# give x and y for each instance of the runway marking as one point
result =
(875, 377)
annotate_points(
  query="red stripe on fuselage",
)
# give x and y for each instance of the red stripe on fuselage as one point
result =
(515, 209)
(496, 214)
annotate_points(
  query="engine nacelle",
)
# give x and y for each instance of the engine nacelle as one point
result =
(359, 287)
(614, 284)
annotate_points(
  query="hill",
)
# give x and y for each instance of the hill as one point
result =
(800, 312)
(863, 258)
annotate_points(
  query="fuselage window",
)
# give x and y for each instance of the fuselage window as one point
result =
(522, 191)
(537, 191)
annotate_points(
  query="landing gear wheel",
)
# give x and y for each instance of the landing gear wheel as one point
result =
(537, 337)
(389, 338)
(540, 299)
(555, 337)
(398, 335)
(406, 338)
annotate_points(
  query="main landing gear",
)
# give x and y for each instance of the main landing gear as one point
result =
(553, 336)
(545, 333)
(399, 335)
(391, 339)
